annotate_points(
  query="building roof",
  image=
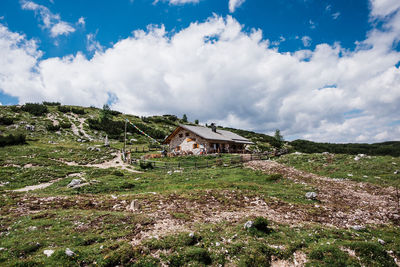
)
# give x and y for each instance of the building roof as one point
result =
(208, 134)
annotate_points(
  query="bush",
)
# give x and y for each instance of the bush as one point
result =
(51, 103)
(35, 109)
(64, 109)
(6, 121)
(15, 109)
(79, 111)
(275, 177)
(65, 125)
(12, 140)
(145, 165)
(118, 173)
(260, 226)
(198, 254)
(260, 255)
(52, 128)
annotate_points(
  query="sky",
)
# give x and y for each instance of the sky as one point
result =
(321, 70)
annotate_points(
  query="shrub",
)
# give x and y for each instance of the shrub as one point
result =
(260, 226)
(35, 109)
(64, 109)
(51, 103)
(6, 121)
(15, 108)
(118, 173)
(256, 256)
(65, 125)
(79, 111)
(275, 177)
(12, 140)
(52, 128)
(145, 165)
(198, 254)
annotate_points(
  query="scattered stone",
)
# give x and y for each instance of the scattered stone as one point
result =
(69, 252)
(381, 242)
(134, 206)
(113, 197)
(358, 227)
(30, 128)
(365, 176)
(311, 195)
(350, 175)
(32, 228)
(325, 153)
(74, 182)
(48, 252)
(191, 235)
(217, 244)
(2, 249)
(396, 172)
(248, 224)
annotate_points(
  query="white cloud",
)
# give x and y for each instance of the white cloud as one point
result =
(177, 2)
(312, 24)
(92, 45)
(233, 4)
(335, 15)
(50, 21)
(81, 21)
(215, 71)
(383, 8)
(306, 41)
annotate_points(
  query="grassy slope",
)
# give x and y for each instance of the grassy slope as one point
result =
(92, 221)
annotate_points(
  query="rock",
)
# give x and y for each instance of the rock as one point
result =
(74, 182)
(365, 176)
(248, 224)
(134, 206)
(356, 158)
(396, 172)
(311, 195)
(381, 242)
(350, 175)
(69, 252)
(32, 228)
(358, 227)
(48, 252)
(191, 235)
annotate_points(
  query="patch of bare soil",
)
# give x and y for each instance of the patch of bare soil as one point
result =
(343, 203)
(116, 162)
(53, 118)
(76, 130)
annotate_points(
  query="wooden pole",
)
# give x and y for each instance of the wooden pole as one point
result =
(125, 140)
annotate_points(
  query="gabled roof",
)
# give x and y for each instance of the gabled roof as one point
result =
(208, 134)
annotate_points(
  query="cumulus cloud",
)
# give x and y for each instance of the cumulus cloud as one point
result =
(383, 8)
(217, 72)
(50, 21)
(233, 4)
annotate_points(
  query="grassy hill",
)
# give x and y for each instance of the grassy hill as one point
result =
(256, 214)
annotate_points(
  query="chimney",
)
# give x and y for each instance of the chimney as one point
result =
(213, 127)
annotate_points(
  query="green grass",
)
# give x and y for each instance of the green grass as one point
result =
(373, 169)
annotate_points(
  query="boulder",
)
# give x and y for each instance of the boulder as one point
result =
(248, 225)
(48, 252)
(74, 182)
(311, 195)
(69, 252)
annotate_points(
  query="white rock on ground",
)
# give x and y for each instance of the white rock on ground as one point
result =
(48, 252)
(311, 195)
(74, 182)
(69, 252)
(248, 224)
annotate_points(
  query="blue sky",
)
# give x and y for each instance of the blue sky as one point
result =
(322, 70)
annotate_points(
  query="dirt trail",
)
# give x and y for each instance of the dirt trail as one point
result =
(342, 202)
(114, 163)
(35, 187)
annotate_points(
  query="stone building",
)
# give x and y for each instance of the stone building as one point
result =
(203, 140)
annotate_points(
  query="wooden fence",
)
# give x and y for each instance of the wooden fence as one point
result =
(218, 161)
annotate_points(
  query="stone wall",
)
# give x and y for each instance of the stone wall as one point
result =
(186, 142)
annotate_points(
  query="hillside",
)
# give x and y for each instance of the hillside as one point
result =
(67, 200)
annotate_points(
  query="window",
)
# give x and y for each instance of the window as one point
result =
(187, 134)
(180, 135)
(178, 148)
(195, 146)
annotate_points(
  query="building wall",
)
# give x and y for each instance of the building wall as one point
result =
(186, 142)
